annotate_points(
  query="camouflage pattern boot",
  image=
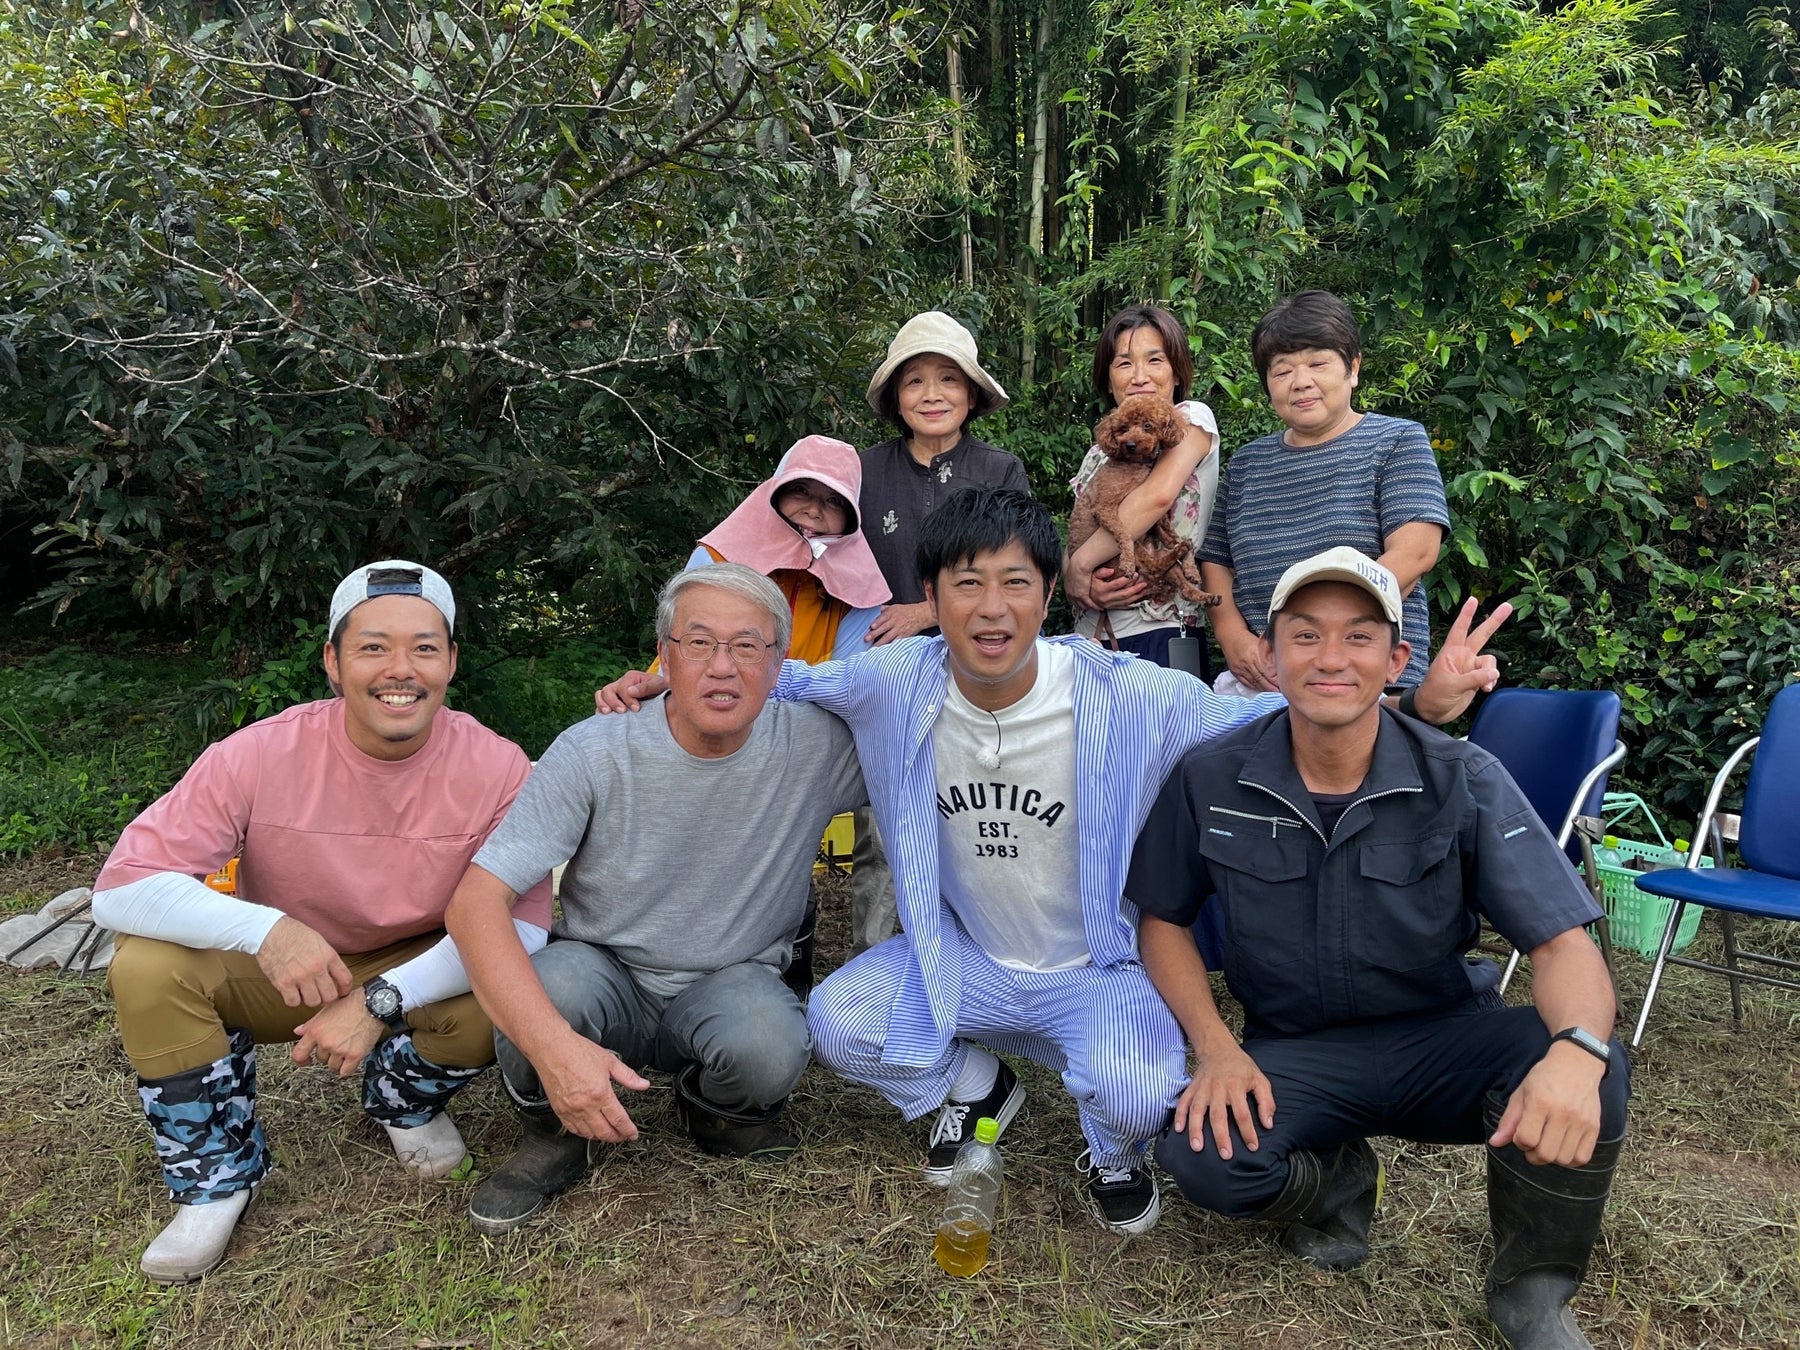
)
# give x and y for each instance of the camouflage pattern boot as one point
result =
(213, 1154)
(406, 1093)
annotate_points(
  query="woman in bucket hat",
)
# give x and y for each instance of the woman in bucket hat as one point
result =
(931, 386)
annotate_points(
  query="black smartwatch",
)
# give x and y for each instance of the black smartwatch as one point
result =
(384, 1003)
(1589, 1042)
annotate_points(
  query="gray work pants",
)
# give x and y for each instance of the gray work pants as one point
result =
(741, 1025)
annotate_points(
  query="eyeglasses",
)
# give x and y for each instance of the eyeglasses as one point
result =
(745, 651)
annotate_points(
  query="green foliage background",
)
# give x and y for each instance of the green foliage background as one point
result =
(534, 291)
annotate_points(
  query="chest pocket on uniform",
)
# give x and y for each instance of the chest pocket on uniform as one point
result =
(1412, 912)
(1259, 869)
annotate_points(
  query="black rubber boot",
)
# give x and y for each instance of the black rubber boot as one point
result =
(1328, 1205)
(1546, 1221)
(730, 1134)
(799, 974)
(549, 1160)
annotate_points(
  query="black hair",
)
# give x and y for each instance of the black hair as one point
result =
(978, 520)
(1159, 321)
(1306, 321)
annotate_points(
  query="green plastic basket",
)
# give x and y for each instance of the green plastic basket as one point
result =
(1637, 917)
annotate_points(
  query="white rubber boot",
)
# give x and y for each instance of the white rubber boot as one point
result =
(195, 1240)
(429, 1151)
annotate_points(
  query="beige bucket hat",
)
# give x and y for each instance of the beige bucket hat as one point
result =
(940, 335)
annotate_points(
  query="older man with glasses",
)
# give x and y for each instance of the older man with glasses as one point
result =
(690, 829)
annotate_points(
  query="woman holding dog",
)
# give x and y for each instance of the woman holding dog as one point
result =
(1331, 476)
(1143, 350)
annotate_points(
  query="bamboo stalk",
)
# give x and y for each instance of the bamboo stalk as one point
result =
(953, 59)
(1034, 233)
(1174, 180)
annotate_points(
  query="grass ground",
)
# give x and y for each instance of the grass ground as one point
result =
(662, 1247)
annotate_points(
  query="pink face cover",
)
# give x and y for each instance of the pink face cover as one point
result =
(756, 535)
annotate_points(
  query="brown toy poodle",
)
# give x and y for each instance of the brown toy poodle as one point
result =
(1134, 436)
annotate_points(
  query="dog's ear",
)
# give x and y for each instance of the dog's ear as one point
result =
(1107, 428)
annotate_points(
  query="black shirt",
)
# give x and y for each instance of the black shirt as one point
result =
(898, 493)
(1371, 918)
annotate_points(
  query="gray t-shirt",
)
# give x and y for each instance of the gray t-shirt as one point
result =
(679, 865)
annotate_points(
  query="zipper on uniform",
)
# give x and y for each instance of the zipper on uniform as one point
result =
(1273, 822)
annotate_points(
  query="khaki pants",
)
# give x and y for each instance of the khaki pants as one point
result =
(175, 1002)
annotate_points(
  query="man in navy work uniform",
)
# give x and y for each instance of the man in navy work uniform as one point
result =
(1354, 853)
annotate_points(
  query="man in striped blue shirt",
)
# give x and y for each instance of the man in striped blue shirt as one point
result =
(1010, 774)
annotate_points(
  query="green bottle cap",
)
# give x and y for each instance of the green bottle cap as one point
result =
(1610, 840)
(1681, 846)
(987, 1130)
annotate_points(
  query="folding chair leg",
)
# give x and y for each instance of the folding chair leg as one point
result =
(1729, 922)
(1512, 969)
(1590, 873)
(1662, 955)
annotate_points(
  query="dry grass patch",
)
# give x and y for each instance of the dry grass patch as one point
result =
(661, 1246)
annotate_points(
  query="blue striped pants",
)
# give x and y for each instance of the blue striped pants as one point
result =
(1105, 1030)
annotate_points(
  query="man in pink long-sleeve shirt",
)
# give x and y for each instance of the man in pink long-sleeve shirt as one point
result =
(354, 817)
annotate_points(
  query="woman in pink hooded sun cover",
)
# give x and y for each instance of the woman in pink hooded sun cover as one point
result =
(801, 528)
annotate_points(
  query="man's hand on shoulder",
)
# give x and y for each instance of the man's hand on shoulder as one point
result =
(1460, 671)
(628, 692)
(1227, 1087)
(1554, 1115)
(302, 966)
(339, 1036)
(578, 1077)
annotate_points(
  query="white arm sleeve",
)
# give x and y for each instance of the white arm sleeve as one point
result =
(177, 908)
(437, 973)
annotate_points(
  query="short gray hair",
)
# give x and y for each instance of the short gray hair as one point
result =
(745, 582)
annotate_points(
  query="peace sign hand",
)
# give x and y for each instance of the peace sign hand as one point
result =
(1460, 670)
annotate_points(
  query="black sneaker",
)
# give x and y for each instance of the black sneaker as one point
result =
(1122, 1199)
(956, 1122)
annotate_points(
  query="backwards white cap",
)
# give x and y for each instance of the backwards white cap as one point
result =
(391, 576)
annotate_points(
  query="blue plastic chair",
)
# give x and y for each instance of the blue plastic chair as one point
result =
(1559, 745)
(1768, 885)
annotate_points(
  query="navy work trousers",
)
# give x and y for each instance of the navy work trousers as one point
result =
(1428, 1079)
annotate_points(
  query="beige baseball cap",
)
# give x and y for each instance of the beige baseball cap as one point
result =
(939, 334)
(1340, 564)
(391, 576)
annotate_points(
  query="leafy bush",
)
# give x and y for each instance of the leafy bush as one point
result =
(523, 291)
(87, 740)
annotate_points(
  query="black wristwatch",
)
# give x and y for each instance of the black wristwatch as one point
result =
(384, 1003)
(1589, 1042)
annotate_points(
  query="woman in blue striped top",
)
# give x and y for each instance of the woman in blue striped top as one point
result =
(1332, 476)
